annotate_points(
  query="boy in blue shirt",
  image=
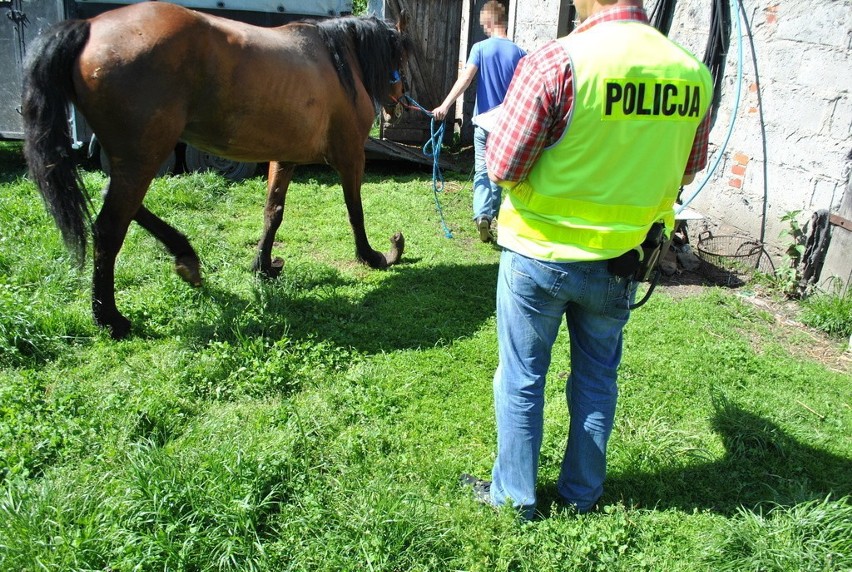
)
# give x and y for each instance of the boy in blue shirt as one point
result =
(492, 63)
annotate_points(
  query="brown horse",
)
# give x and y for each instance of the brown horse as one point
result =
(150, 74)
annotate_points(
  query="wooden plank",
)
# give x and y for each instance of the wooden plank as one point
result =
(391, 150)
(435, 29)
(410, 135)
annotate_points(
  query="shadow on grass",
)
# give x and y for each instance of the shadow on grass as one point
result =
(763, 466)
(12, 164)
(416, 307)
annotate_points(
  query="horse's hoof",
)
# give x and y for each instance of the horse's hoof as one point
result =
(397, 247)
(189, 269)
(272, 271)
(276, 267)
(381, 260)
(118, 328)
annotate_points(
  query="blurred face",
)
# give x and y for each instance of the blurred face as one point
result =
(488, 19)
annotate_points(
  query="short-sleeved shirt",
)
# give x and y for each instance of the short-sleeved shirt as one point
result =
(496, 59)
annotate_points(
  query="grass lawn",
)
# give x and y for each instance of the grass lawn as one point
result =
(320, 421)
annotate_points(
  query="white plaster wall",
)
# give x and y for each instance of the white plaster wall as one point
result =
(802, 61)
(534, 22)
(803, 55)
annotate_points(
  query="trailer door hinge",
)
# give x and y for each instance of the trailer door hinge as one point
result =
(837, 220)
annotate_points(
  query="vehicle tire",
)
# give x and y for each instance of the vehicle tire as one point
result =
(198, 160)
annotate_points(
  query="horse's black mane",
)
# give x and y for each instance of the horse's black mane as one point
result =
(379, 47)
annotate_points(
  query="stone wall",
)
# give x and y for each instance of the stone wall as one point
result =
(534, 22)
(785, 144)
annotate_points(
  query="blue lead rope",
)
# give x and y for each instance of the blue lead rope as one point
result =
(432, 148)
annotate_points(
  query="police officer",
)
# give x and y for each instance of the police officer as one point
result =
(598, 131)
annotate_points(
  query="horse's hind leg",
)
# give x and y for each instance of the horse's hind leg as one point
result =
(121, 202)
(187, 265)
(280, 175)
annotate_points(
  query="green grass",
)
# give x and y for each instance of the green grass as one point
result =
(830, 312)
(320, 421)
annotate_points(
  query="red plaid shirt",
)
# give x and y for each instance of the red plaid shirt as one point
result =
(539, 101)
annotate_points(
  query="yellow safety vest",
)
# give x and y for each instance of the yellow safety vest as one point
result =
(594, 194)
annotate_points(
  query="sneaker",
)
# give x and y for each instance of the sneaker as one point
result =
(483, 224)
(481, 489)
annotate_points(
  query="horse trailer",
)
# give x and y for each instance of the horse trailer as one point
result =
(21, 21)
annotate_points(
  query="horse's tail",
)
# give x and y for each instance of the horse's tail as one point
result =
(48, 88)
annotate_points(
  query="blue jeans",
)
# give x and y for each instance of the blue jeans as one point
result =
(486, 195)
(532, 298)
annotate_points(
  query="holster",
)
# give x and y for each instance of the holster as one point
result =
(639, 263)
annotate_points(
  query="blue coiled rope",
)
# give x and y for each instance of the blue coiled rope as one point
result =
(432, 148)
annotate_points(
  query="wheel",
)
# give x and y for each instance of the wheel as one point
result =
(168, 165)
(198, 160)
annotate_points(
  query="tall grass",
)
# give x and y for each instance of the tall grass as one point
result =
(809, 536)
(829, 311)
(320, 421)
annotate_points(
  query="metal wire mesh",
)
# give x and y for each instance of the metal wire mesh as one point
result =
(731, 259)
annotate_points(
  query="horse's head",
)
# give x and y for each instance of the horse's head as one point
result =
(381, 50)
(392, 103)
(402, 47)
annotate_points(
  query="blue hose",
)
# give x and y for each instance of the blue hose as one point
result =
(721, 152)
